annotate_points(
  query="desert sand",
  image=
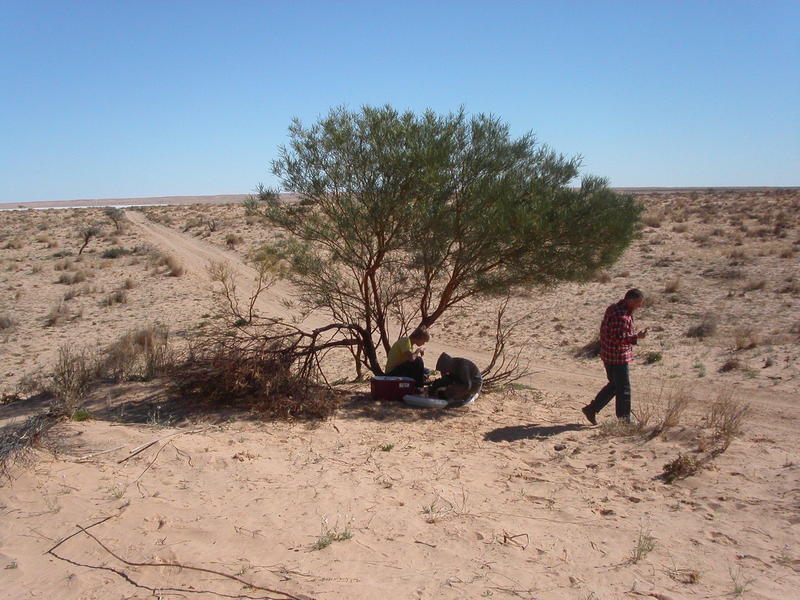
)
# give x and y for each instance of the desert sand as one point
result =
(513, 497)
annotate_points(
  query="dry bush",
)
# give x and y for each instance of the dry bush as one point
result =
(232, 240)
(72, 278)
(139, 355)
(662, 410)
(787, 252)
(72, 378)
(173, 265)
(672, 286)
(745, 338)
(681, 468)
(732, 364)
(726, 416)
(270, 370)
(706, 328)
(116, 297)
(62, 265)
(652, 218)
(129, 284)
(680, 228)
(791, 287)
(58, 314)
(6, 322)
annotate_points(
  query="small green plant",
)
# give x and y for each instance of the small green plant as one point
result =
(386, 447)
(80, 414)
(644, 544)
(740, 583)
(328, 535)
(701, 369)
(652, 357)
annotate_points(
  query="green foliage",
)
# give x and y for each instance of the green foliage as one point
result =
(116, 252)
(402, 216)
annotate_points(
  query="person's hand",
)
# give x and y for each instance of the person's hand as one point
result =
(420, 351)
(642, 334)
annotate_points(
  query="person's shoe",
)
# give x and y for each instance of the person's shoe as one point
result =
(589, 414)
(626, 419)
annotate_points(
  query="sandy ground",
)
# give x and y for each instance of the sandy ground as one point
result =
(514, 497)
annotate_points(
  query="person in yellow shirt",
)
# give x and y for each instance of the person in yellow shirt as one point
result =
(404, 361)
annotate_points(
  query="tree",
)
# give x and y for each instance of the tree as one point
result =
(86, 234)
(116, 215)
(401, 217)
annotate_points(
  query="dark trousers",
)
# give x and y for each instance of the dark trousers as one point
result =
(411, 368)
(619, 385)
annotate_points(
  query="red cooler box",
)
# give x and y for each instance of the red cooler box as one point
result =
(384, 387)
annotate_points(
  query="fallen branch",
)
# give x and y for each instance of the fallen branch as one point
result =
(144, 447)
(283, 595)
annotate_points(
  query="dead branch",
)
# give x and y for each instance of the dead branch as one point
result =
(504, 368)
(283, 595)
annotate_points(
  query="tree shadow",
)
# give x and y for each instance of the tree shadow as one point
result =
(514, 433)
(363, 406)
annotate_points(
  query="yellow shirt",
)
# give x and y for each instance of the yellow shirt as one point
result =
(398, 352)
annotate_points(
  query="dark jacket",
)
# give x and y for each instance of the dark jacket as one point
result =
(461, 371)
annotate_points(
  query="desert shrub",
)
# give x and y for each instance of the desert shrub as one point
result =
(72, 278)
(116, 252)
(129, 284)
(232, 240)
(680, 468)
(116, 297)
(62, 253)
(672, 286)
(787, 252)
(791, 287)
(173, 265)
(6, 322)
(680, 228)
(590, 350)
(706, 328)
(58, 314)
(652, 219)
(62, 265)
(652, 357)
(139, 355)
(726, 416)
(72, 377)
(745, 338)
(86, 234)
(732, 364)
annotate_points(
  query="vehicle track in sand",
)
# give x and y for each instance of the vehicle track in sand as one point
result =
(774, 411)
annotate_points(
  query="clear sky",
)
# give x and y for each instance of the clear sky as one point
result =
(125, 99)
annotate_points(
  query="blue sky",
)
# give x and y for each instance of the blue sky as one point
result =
(125, 99)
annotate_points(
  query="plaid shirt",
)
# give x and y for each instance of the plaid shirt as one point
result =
(617, 335)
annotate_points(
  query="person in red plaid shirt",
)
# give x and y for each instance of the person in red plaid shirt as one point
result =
(617, 337)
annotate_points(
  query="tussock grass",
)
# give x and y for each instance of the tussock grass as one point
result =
(726, 416)
(706, 328)
(139, 355)
(745, 338)
(116, 297)
(672, 286)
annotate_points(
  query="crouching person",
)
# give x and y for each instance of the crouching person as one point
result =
(461, 379)
(405, 361)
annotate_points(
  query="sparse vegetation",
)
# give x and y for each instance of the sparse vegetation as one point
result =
(644, 544)
(680, 468)
(328, 535)
(706, 328)
(6, 322)
(116, 252)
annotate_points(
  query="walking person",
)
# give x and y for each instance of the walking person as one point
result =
(617, 338)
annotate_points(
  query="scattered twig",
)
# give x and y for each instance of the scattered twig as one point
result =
(424, 543)
(144, 447)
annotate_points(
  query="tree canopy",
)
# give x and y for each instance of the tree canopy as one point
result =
(400, 216)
